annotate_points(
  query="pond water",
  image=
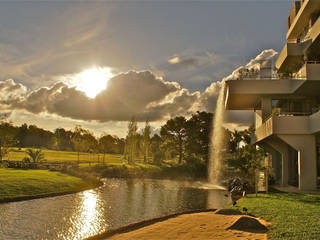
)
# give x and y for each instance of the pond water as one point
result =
(117, 203)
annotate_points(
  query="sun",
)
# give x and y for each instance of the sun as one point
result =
(93, 80)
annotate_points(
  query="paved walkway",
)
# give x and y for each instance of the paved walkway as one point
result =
(201, 226)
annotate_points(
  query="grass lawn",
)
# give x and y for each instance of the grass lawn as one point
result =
(21, 183)
(65, 156)
(292, 215)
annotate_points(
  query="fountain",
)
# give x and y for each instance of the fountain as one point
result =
(217, 140)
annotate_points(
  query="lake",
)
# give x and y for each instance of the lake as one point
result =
(117, 203)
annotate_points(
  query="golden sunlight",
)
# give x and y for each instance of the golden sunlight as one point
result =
(92, 81)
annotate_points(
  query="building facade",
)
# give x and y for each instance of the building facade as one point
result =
(287, 103)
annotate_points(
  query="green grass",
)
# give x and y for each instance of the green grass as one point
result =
(64, 156)
(67, 156)
(292, 215)
(22, 183)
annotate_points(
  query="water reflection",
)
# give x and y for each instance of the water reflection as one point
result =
(118, 202)
(88, 219)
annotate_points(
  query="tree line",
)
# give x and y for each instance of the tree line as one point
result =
(180, 140)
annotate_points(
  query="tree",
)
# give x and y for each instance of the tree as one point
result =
(107, 143)
(7, 138)
(120, 145)
(235, 140)
(155, 149)
(198, 129)
(175, 131)
(131, 140)
(79, 141)
(146, 141)
(247, 158)
(63, 139)
(35, 155)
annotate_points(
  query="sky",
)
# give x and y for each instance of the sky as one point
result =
(98, 63)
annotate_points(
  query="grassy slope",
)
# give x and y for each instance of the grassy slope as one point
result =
(19, 183)
(292, 215)
(65, 156)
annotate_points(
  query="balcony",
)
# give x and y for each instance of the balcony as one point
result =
(288, 123)
(311, 36)
(291, 58)
(245, 94)
(309, 71)
(301, 20)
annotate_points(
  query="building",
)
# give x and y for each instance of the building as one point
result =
(287, 103)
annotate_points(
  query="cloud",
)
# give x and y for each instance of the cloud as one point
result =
(194, 69)
(11, 90)
(177, 63)
(139, 94)
(77, 42)
(4, 115)
(264, 56)
(208, 99)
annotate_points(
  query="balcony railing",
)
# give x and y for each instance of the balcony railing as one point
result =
(286, 114)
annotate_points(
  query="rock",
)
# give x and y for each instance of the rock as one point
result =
(248, 224)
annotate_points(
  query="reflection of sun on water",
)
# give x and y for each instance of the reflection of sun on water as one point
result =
(89, 217)
(92, 81)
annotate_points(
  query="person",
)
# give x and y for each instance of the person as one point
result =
(237, 190)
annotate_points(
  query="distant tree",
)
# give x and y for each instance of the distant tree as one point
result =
(79, 141)
(131, 140)
(146, 140)
(107, 143)
(22, 135)
(139, 152)
(35, 155)
(120, 145)
(63, 139)
(175, 131)
(7, 138)
(156, 150)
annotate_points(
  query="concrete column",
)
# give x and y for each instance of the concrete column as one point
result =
(275, 160)
(282, 148)
(266, 108)
(307, 159)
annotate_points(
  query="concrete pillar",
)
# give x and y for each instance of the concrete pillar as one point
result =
(307, 159)
(282, 148)
(275, 160)
(266, 108)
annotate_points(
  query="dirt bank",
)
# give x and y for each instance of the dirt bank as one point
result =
(204, 225)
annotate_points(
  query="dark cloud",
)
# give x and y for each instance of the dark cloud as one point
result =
(5, 115)
(139, 94)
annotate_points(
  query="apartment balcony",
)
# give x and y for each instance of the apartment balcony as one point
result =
(312, 36)
(291, 57)
(301, 20)
(288, 123)
(309, 71)
(246, 94)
